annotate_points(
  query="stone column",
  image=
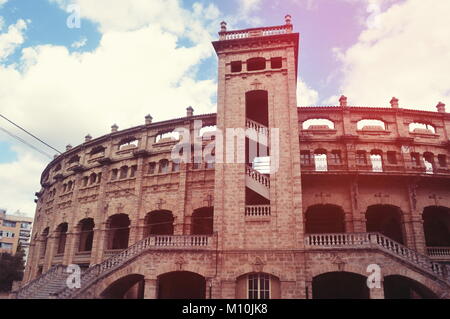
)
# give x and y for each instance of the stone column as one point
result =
(49, 252)
(377, 293)
(70, 249)
(99, 245)
(150, 288)
(418, 234)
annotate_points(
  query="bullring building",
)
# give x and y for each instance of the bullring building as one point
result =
(325, 202)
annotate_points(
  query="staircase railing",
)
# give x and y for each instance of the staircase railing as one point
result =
(31, 287)
(98, 271)
(257, 176)
(382, 242)
(258, 127)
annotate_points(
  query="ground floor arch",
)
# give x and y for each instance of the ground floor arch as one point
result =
(340, 285)
(128, 287)
(181, 285)
(400, 287)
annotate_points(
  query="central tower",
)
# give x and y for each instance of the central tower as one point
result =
(257, 209)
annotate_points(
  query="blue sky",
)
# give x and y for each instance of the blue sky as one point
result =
(131, 58)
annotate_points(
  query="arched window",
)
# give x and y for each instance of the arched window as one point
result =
(202, 221)
(428, 160)
(123, 172)
(318, 124)
(320, 160)
(437, 226)
(163, 166)
(371, 125)
(159, 223)
(385, 219)
(44, 238)
(114, 174)
(86, 229)
(61, 232)
(85, 181)
(130, 142)
(167, 137)
(322, 219)
(422, 128)
(256, 64)
(92, 178)
(118, 231)
(376, 160)
(258, 286)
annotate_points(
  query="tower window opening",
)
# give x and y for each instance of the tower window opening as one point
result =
(236, 66)
(305, 158)
(361, 158)
(428, 160)
(415, 158)
(256, 64)
(276, 63)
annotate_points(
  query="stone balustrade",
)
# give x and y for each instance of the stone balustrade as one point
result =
(257, 210)
(378, 241)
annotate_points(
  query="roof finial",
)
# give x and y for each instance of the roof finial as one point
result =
(288, 19)
(440, 107)
(343, 101)
(148, 119)
(189, 111)
(114, 128)
(88, 138)
(394, 103)
(223, 26)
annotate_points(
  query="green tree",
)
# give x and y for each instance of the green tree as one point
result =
(11, 268)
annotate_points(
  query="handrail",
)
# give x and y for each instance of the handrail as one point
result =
(258, 127)
(255, 32)
(381, 242)
(257, 176)
(31, 286)
(98, 271)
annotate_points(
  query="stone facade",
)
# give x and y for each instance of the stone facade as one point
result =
(131, 173)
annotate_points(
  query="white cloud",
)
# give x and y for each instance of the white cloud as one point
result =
(306, 96)
(139, 68)
(2, 2)
(20, 180)
(79, 44)
(406, 56)
(247, 6)
(13, 38)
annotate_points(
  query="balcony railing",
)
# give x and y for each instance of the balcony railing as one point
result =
(257, 32)
(257, 210)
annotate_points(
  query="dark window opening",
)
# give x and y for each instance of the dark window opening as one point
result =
(442, 159)
(385, 219)
(86, 228)
(236, 66)
(62, 236)
(163, 166)
(151, 168)
(159, 223)
(322, 219)
(118, 231)
(202, 221)
(257, 107)
(276, 63)
(437, 226)
(123, 172)
(133, 171)
(392, 157)
(399, 287)
(256, 64)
